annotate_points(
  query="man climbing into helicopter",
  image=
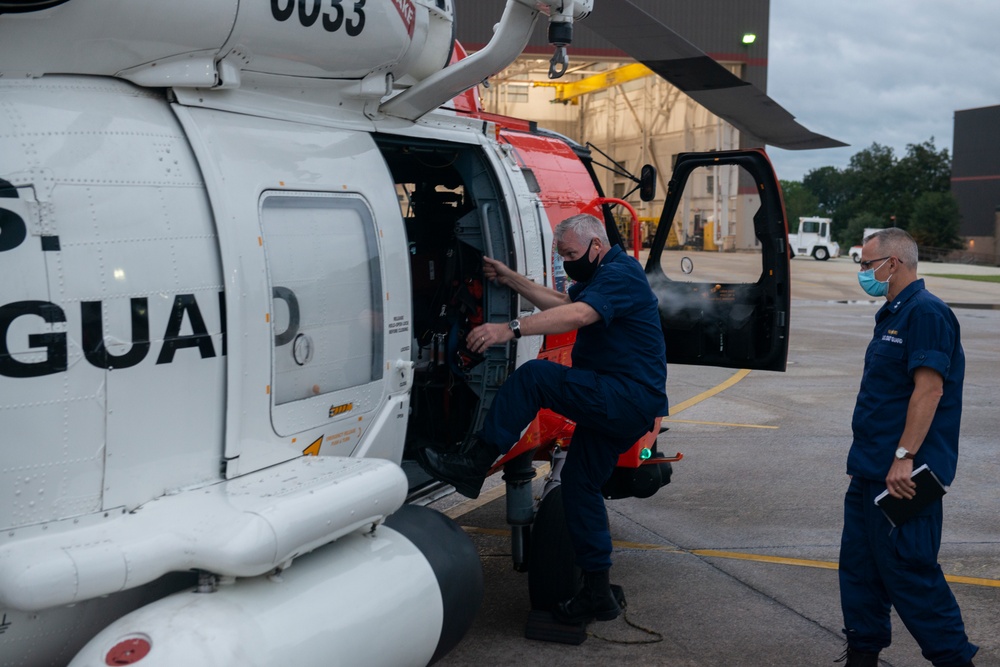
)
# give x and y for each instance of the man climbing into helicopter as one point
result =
(614, 391)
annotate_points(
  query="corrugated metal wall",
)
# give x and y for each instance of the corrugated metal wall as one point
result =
(714, 26)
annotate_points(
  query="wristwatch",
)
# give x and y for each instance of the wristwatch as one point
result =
(515, 327)
(903, 453)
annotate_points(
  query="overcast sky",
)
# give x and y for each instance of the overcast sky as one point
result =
(891, 72)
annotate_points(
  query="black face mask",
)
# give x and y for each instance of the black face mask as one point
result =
(582, 268)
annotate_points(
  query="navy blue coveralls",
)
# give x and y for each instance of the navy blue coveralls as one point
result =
(882, 565)
(614, 391)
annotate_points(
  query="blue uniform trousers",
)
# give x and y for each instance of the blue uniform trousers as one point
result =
(883, 566)
(606, 426)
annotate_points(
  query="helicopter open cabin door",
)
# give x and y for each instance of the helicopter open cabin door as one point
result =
(719, 263)
(311, 240)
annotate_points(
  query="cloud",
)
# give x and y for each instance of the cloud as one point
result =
(891, 72)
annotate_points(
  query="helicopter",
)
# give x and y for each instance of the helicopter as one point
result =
(240, 245)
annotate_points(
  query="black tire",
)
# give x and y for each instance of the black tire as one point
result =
(821, 253)
(553, 575)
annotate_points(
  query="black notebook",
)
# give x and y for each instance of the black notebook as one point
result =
(901, 510)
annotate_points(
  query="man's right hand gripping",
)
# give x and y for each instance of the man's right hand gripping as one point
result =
(497, 271)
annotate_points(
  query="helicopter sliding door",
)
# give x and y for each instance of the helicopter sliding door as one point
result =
(719, 263)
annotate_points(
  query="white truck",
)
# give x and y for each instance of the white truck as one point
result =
(855, 251)
(813, 240)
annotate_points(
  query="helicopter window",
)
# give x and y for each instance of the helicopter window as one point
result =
(326, 310)
(711, 237)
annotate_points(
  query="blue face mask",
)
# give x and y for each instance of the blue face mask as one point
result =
(871, 286)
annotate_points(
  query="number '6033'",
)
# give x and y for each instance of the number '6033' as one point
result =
(328, 13)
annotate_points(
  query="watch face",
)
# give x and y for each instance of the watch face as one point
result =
(901, 453)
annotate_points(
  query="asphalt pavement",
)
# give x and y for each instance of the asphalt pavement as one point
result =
(734, 562)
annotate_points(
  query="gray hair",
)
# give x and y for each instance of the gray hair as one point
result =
(897, 243)
(585, 226)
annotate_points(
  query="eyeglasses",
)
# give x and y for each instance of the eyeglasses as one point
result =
(867, 265)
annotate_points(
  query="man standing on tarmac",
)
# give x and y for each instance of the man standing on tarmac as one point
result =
(907, 414)
(614, 391)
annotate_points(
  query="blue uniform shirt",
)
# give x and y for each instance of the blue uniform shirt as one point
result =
(626, 345)
(913, 330)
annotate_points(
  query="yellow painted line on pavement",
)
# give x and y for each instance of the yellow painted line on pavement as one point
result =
(760, 558)
(736, 555)
(972, 581)
(694, 421)
(826, 565)
(694, 400)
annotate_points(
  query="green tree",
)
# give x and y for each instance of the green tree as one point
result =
(878, 190)
(925, 169)
(854, 233)
(800, 202)
(829, 186)
(871, 180)
(936, 221)
(922, 169)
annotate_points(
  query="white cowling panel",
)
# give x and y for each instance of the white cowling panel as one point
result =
(243, 527)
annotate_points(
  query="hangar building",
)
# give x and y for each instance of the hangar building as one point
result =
(975, 180)
(636, 117)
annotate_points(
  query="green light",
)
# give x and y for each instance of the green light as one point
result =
(645, 453)
(749, 38)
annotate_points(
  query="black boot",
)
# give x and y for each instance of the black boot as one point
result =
(855, 658)
(594, 601)
(465, 471)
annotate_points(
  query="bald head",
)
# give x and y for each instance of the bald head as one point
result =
(897, 252)
(895, 242)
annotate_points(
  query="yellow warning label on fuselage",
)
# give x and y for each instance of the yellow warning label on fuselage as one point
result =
(341, 409)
